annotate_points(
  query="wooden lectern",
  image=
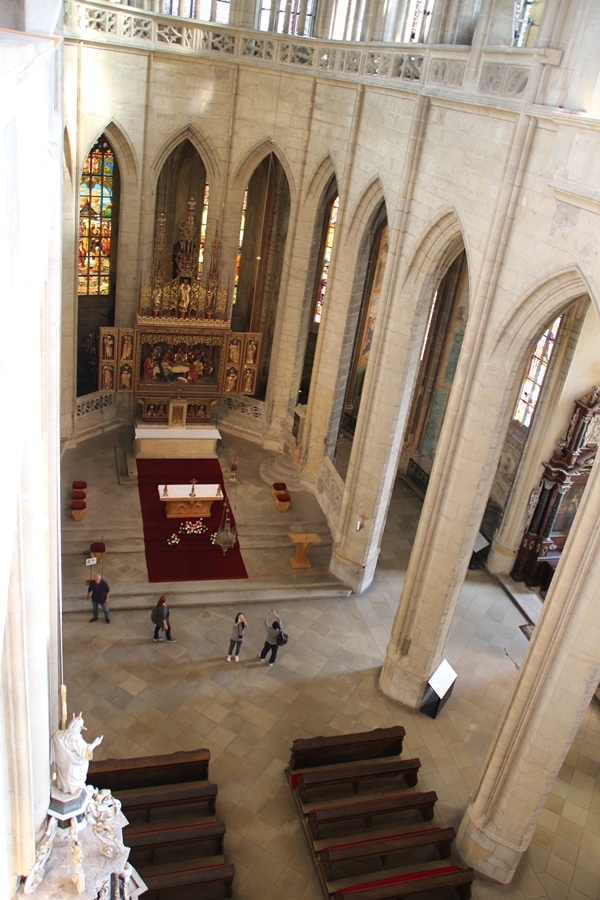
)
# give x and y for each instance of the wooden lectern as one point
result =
(303, 544)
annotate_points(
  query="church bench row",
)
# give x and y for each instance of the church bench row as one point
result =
(338, 855)
(145, 771)
(145, 841)
(398, 886)
(341, 748)
(147, 799)
(353, 775)
(172, 879)
(366, 810)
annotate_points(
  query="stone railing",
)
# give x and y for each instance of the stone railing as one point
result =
(501, 71)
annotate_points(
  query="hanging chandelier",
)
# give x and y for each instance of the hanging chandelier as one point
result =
(226, 535)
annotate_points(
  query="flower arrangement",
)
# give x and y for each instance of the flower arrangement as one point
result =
(189, 527)
(173, 540)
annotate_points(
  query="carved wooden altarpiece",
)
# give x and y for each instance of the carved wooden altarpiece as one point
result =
(181, 346)
(555, 501)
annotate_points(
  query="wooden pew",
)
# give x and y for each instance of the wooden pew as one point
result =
(145, 771)
(382, 847)
(145, 841)
(406, 885)
(365, 771)
(341, 748)
(171, 879)
(365, 810)
(147, 799)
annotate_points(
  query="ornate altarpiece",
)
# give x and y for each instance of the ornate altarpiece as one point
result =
(554, 503)
(181, 346)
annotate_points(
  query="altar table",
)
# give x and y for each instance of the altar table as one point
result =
(162, 442)
(181, 503)
(303, 542)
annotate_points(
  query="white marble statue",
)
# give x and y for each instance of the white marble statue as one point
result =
(71, 756)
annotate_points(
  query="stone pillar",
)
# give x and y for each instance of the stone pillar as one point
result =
(556, 683)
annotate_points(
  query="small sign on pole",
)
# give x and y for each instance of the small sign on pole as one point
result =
(91, 561)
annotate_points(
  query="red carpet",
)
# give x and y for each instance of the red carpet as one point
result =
(194, 558)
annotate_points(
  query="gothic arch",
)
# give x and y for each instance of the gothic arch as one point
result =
(435, 252)
(253, 159)
(123, 150)
(543, 302)
(200, 145)
(371, 199)
(321, 177)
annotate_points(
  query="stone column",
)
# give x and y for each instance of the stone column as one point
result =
(556, 683)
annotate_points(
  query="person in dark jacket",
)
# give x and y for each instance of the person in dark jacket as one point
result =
(237, 636)
(273, 625)
(163, 622)
(99, 593)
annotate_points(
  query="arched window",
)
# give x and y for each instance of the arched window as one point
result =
(287, 16)
(327, 250)
(95, 220)
(532, 384)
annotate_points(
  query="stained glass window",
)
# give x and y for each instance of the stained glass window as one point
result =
(333, 214)
(95, 220)
(536, 373)
(238, 259)
(203, 220)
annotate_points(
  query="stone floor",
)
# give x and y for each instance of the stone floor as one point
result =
(155, 698)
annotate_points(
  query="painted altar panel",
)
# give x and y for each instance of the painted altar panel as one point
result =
(169, 362)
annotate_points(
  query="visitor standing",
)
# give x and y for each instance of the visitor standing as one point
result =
(237, 636)
(273, 626)
(99, 593)
(163, 622)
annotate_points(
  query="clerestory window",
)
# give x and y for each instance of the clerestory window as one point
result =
(538, 366)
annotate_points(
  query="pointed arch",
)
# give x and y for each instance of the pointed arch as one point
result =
(253, 159)
(124, 151)
(200, 144)
(370, 201)
(320, 179)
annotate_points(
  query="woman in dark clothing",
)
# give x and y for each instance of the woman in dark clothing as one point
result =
(237, 636)
(162, 622)
(273, 626)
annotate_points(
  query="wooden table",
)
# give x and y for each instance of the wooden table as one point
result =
(184, 501)
(303, 544)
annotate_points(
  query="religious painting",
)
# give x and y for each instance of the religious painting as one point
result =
(107, 376)
(108, 344)
(248, 380)
(198, 412)
(234, 350)
(126, 346)
(251, 349)
(167, 359)
(153, 410)
(231, 380)
(125, 377)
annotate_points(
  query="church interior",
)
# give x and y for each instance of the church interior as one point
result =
(336, 267)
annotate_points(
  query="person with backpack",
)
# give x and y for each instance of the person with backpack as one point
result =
(276, 637)
(160, 617)
(237, 636)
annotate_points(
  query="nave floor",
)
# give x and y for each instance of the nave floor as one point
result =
(154, 698)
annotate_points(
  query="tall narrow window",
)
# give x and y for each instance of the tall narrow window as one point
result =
(333, 214)
(238, 258)
(418, 20)
(287, 16)
(203, 220)
(536, 373)
(95, 220)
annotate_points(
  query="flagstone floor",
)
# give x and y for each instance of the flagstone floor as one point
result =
(150, 698)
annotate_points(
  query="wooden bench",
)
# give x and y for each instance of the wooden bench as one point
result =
(406, 885)
(150, 798)
(366, 771)
(422, 801)
(147, 840)
(145, 771)
(382, 847)
(341, 748)
(190, 874)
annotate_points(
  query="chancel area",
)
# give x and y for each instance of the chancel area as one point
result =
(350, 249)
